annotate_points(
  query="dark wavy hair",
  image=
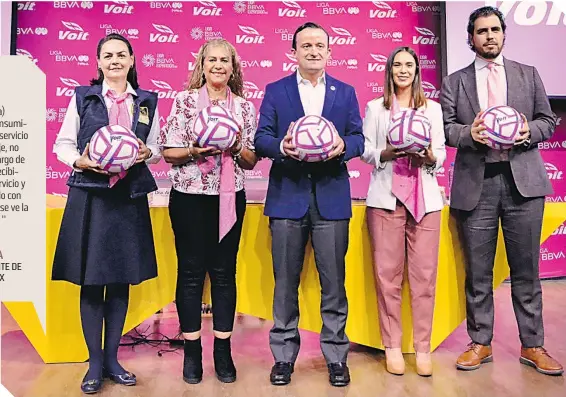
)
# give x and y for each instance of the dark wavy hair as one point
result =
(484, 12)
(132, 73)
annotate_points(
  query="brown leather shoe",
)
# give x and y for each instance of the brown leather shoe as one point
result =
(538, 358)
(474, 357)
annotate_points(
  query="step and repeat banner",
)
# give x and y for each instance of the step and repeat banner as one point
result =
(61, 38)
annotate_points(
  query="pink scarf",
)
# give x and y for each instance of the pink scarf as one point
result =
(227, 216)
(118, 114)
(407, 180)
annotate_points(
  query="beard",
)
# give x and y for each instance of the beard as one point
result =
(488, 54)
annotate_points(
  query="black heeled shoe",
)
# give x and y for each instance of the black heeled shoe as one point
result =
(223, 363)
(91, 386)
(126, 378)
(192, 362)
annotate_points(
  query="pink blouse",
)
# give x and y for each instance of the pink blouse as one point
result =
(187, 178)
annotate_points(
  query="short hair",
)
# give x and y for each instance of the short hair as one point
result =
(307, 25)
(483, 12)
(132, 73)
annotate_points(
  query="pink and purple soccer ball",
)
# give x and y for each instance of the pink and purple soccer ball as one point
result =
(502, 126)
(313, 137)
(215, 127)
(409, 131)
(114, 147)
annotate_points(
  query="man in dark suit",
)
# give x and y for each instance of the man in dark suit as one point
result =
(492, 185)
(309, 199)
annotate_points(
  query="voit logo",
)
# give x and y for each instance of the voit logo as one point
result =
(68, 88)
(85, 5)
(327, 10)
(292, 10)
(26, 6)
(290, 66)
(73, 32)
(430, 90)
(164, 35)
(250, 36)
(530, 13)
(553, 172)
(80, 60)
(176, 6)
(164, 90)
(379, 64)
(344, 37)
(129, 33)
(39, 31)
(119, 7)
(192, 64)
(560, 231)
(160, 61)
(383, 11)
(426, 36)
(25, 53)
(265, 63)
(207, 9)
(252, 91)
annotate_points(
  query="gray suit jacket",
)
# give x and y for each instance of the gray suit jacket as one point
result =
(460, 105)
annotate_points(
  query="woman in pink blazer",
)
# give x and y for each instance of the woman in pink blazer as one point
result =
(403, 210)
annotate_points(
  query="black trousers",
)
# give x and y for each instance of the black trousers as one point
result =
(194, 219)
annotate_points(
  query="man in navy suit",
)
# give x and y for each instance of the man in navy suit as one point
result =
(309, 199)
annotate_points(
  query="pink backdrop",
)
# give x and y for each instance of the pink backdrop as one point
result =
(61, 37)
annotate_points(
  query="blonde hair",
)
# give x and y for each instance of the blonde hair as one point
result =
(236, 81)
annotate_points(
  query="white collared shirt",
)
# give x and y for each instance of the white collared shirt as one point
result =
(66, 147)
(482, 72)
(312, 97)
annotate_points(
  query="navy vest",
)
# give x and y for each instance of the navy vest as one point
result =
(93, 115)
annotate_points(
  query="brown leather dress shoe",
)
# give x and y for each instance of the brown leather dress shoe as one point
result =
(538, 358)
(474, 357)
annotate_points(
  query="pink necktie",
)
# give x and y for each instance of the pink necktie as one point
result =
(118, 114)
(407, 181)
(227, 190)
(494, 86)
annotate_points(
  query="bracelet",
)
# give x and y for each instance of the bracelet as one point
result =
(189, 150)
(239, 153)
(429, 168)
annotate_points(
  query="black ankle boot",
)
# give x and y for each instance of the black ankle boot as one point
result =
(223, 364)
(192, 363)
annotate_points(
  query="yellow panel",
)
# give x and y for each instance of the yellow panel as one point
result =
(64, 341)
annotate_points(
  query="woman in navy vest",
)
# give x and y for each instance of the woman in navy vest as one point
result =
(105, 241)
(207, 232)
